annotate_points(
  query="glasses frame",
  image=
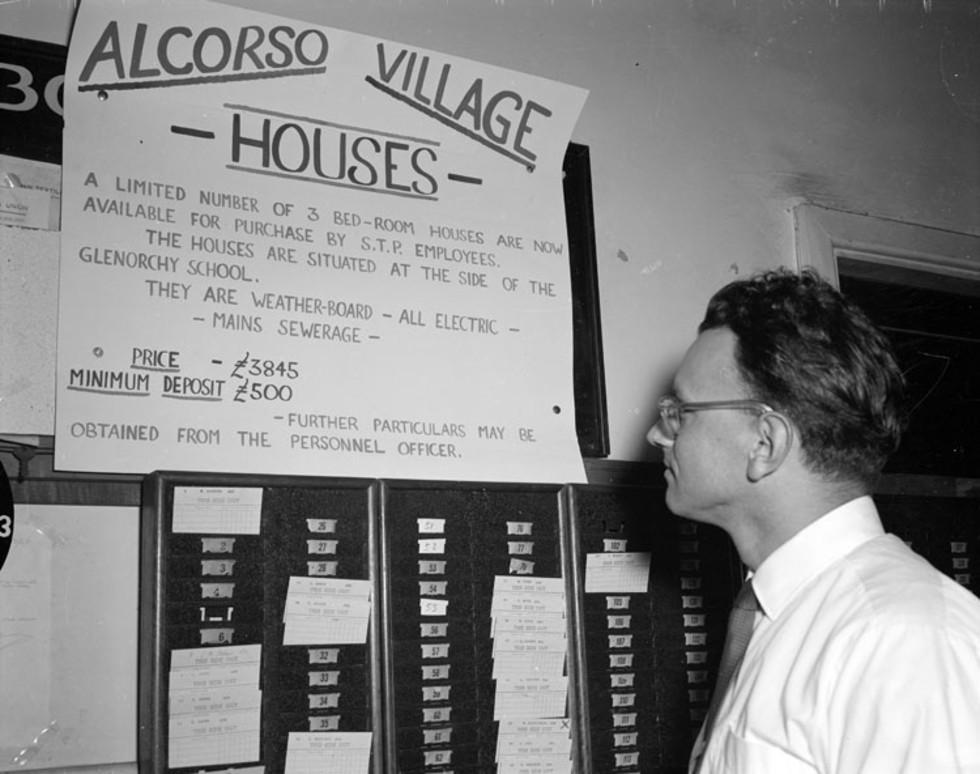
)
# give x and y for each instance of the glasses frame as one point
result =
(670, 409)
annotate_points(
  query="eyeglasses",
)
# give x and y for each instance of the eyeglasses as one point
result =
(671, 409)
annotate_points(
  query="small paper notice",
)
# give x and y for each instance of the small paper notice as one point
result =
(534, 746)
(617, 572)
(326, 611)
(328, 753)
(218, 510)
(30, 193)
(215, 705)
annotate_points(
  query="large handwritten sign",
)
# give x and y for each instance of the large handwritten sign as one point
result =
(292, 249)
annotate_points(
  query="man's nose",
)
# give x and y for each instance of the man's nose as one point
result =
(656, 436)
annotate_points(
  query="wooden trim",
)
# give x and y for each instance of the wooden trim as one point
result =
(822, 235)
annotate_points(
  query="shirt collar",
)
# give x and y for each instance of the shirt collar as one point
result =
(813, 549)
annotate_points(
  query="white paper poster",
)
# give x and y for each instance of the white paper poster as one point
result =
(68, 638)
(292, 249)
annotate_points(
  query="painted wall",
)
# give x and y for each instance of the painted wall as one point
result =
(707, 122)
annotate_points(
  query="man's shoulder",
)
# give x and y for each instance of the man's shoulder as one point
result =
(884, 582)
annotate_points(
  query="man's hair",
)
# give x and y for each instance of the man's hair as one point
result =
(818, 359)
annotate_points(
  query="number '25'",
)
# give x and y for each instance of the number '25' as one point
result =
(21, 94)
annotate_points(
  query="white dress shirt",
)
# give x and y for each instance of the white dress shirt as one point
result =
(866, 660)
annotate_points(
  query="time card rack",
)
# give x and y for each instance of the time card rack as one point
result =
(226, 670)
(298, 624)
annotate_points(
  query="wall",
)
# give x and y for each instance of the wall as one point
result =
(707, 121)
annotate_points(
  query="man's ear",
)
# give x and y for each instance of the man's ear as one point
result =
(774, 441)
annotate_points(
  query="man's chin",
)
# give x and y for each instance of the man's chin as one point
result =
(675, 503)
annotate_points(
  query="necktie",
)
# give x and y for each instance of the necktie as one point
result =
(741, 622)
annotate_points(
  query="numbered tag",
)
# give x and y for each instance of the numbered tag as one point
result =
(319, 679)
(323, 700)
(223, 545)
(217, 636)
(324, 655)
(218, 567)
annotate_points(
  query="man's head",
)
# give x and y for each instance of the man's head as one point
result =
(816, 358)
(787, 404)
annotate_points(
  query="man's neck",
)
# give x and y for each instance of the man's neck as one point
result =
(776, 519)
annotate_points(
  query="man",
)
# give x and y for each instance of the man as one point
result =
(862, 658)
